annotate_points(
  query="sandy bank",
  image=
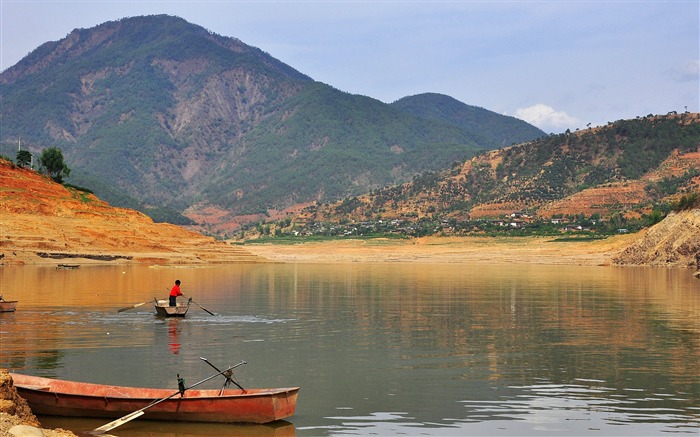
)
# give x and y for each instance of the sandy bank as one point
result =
(486, 250)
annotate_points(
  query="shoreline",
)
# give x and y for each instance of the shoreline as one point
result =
(452, 250)
(544, 250)
(500, 250)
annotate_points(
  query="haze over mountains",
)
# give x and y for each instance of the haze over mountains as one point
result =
(161, 115)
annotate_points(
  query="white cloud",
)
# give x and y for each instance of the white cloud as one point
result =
(546, 118)
(689, 72)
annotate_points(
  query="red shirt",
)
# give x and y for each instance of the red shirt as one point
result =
(175, 291)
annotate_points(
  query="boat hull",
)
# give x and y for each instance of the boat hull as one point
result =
(7, 306)
(164, 309)
(55, 397)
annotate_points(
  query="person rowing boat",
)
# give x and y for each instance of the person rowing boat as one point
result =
(175, 292)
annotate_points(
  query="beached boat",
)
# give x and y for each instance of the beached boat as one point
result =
(7, 306)
(56, 397)
(164, 309)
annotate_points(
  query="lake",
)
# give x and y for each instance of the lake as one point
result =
(379, 349)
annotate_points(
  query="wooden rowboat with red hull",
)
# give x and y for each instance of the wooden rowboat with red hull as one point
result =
(8, 306)
(56, 397)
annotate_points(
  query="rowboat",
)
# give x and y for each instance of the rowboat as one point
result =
(7, 306)
(68, 266)
(164, 309)
(55, 397)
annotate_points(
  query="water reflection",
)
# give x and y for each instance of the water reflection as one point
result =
(387, 348)
(150, 428)
(173, 333)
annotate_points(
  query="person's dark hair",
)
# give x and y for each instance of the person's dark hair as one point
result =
(177, 282)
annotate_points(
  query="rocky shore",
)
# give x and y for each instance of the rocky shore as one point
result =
(16, 418)
(673, 242)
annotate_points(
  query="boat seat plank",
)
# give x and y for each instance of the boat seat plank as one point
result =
(36, 387)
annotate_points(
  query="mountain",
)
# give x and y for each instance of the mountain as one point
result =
(625, 170)
(494, 129)
(157, 112)
(44, 222)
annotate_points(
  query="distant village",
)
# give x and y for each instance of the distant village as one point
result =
(517, 223)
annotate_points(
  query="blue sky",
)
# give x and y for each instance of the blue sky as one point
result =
(556, 64)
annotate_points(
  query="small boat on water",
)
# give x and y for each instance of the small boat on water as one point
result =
(7, 306)
(164, 309)
(68, 266)
(55, 397)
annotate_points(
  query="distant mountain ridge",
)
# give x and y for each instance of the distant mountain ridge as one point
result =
(495, 129)
(154, 111)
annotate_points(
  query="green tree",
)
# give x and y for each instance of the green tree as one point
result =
(24, 158)
(52, 161)
(655, 217)
(688, 201)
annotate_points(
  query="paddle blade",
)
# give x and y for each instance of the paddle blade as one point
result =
(202, 307)
(121, 421)
(136, 305)
(208, 311)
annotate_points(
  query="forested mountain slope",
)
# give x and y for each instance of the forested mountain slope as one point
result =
(162, 115)
(494, 129)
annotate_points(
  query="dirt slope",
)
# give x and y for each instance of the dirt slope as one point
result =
(673, 242)
(45, 222)
(14, 412)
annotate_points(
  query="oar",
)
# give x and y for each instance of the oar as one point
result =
(131, 416)
(136, 305)
(227, 375)
(190, 299)
(202, 307)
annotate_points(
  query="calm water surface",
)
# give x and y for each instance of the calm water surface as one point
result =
(380, 349)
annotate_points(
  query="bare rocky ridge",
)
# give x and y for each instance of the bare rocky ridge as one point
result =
(674, 242)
